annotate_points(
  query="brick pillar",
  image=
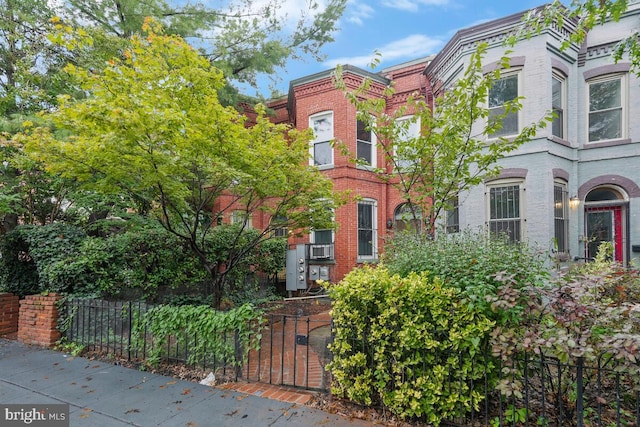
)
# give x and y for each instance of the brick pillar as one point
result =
(9, 308)
(38, 320)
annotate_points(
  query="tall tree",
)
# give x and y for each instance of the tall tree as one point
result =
(242, 38)
(28, 62)
(152, 127)
(456, 148)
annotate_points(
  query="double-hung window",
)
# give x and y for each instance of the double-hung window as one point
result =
(558, 100)
(322, 236)
(404, 150)
(453, 216)
(320, 149)
(606, 108)
(561, 217)
(503, 92)
(279, 225)
(365, 144)
(367, 229)
(505, 209)
(241, 217)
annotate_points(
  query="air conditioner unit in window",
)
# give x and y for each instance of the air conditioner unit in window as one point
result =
(320, 252)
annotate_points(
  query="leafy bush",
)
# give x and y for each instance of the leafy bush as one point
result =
(129, 258)
(591, 315)
(31, 252)
(120, 258)
(206, 333)
(250, 253)
(593, 310)
(408, 343)
(18, 272)
(468, 262)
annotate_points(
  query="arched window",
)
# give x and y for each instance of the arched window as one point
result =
(408, 217)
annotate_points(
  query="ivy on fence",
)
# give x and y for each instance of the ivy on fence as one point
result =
(206, 334)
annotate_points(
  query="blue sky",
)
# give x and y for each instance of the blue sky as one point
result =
(400, 30)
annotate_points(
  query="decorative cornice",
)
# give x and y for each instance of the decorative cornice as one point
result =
(492, 32)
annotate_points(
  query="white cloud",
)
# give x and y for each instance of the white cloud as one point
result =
(291, 11)
(410, 47)
(357, 12)
(413, 5)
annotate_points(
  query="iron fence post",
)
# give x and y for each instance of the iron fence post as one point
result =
(130, 314)
(579, 391)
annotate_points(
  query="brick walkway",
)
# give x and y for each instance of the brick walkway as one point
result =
(287, 364)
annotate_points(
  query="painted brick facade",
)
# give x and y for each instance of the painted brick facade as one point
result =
(602, 175)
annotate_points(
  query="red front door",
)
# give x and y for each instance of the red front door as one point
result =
(604, 224)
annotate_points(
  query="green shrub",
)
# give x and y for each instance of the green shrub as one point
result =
(468, 262)
(31, 253)
(407, 343)
(132, 258)
(135, 258)
(18, 271)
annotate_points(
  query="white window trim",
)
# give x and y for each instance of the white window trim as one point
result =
(315, 140)
(508, 73)
(374, 233)
(239, 216)
(623, 104)
(374, 149)
(565, 211)
(522, 193)
(312, 234)
(563, 93)
(408, 118)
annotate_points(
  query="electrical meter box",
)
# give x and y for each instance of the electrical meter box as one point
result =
(318, 272)
(296, 268)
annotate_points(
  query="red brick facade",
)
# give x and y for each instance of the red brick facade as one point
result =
(317, 94)
(9, 308)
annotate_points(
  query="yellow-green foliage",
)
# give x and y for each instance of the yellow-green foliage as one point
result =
(408, 343)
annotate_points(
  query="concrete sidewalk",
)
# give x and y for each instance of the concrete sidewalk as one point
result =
(100, 394)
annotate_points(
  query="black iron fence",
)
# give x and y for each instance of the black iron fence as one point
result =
(293, 349)
(294, 352)
(551, 393)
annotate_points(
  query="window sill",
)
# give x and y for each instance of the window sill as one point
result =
(560, 141)
(510, 137)
(325, 167)
(607, 143)
(367, 260)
